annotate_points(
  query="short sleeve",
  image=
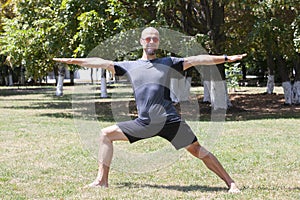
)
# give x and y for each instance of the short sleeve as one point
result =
(177, 63)
(120, 68)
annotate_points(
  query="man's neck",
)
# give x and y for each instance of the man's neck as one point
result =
(148, 57)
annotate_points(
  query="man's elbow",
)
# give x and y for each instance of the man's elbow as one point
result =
(187, 64)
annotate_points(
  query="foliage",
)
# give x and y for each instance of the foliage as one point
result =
(25, 37)
(296, 28)
(35, 31)
(196, 18)
(6, 10)
(262, 29)
(45, 29)
(233, 74)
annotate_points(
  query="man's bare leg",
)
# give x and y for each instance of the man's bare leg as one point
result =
(108, 135)
(213, 164)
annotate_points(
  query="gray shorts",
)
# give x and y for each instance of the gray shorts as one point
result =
(178, 133)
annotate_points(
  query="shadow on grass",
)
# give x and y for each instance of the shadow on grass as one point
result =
(42, 106)
(124, 110)
(120, 107)
(58, 115)
(17, 91)
(121, 110)
(182, 188)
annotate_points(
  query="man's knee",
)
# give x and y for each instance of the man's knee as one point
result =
(106, 131)
(105, 134)
(112, 133)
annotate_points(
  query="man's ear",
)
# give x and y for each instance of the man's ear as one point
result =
(141, 41)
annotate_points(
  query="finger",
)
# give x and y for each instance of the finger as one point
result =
(61, 59)
(58, 59)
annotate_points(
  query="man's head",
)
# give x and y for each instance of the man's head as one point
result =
(150, 40)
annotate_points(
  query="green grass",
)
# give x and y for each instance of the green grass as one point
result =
(43, 156)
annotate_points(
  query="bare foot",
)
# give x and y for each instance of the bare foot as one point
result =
(233, 188)
(96, 183)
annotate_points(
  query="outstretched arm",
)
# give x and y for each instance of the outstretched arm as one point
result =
(88, 62)
(209, 60)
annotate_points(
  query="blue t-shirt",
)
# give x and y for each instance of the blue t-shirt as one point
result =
(150, 80)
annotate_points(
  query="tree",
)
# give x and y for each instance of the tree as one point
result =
(25, 37)
(45, 29)
(201, 18)
(195, 18)
(90, 23)
(6, 11)
(267, 35)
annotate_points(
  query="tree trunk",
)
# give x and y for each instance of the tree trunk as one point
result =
(206, 87)
(6, 81)
(22, 81)
(60, 81)
(218, 38)
(297, 67)
(10, 78)
(296, 86)
(1, 79)
(270, 84)
(180, 88)
(287, 89)
(55, 70)
(286, 83)
(271, 76)
(72, 77)
(92, 74)
(296, 93)
(206, 79)
(215, 88)
(103, 84)
(219, 95)
(244, 71)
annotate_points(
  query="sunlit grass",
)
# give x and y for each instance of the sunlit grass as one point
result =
(42, 156)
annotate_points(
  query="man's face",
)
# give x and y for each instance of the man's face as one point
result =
(150, 41)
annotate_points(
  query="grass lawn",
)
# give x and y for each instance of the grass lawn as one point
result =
(47, 152)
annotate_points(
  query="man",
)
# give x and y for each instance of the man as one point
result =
(156, 113)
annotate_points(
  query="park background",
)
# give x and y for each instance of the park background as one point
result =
(42, 157)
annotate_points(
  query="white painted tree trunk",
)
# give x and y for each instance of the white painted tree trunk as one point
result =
(219, 95)
(180, 89)
(296, 92)
(206, 87)
(229, 104)
(270, 84)
(287, 89)
(60, 82)
(10, 80)
(216, 92)
(187, 88)
(103, 84)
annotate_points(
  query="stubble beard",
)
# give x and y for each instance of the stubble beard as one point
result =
(151, 52)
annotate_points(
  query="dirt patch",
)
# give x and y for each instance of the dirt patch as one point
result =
(257, 106)
(245, 107)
